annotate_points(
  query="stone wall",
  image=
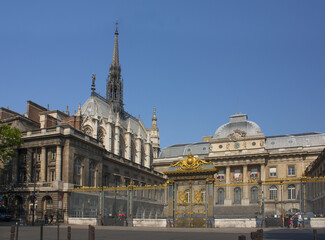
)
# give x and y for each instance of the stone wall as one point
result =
(317, 222)
(149, 222)
(235, 223)
(82, 221)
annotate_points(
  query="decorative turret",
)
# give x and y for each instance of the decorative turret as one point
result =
(114, 85)
(154, 134)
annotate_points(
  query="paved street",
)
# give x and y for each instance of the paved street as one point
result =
(121, 233)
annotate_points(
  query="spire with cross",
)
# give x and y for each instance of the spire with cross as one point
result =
(114, 85)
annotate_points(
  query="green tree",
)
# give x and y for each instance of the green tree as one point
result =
(9, 139)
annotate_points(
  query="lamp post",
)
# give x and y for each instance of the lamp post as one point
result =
(275, 202)
(282, 212)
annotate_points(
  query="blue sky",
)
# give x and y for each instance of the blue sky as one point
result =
(198, 62)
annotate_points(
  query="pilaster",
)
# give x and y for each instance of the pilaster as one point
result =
(58, 165)
(245, 200)
(228, 201)
(263, 173)
(43, 164)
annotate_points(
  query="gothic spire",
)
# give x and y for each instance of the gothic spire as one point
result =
(154, 120)
(114, 85)
(115, 59)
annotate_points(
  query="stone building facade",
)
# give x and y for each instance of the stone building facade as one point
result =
(99, 146)
(245, 158)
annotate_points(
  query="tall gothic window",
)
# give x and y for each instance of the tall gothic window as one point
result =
(122, 147)
(133, 152)
(273, 192)
(92, 174)
(221, 196)
(291, 192)
(254, 195)
(237, 195)
(77, 172)
(142, 156)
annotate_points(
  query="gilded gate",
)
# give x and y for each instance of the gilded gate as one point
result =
(190, 193)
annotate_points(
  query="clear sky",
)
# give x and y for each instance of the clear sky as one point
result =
(198, 62)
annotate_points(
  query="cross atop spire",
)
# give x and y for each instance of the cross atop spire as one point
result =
(116, 23)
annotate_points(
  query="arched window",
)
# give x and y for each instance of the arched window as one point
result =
(291, 192)
(237, 195)
(273, 192)
(77, 172)
(88, 131)
(92, 174)
(221, 196)
(254, 195)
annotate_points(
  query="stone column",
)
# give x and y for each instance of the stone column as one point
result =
(117, 141)
(228, 201)
(245, 200)
(58, 165)
(43, 164)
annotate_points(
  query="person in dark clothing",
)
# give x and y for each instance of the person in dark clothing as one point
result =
(46, 218)
(51, 218)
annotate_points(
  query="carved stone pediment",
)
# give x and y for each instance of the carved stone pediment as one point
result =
(236, 135)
